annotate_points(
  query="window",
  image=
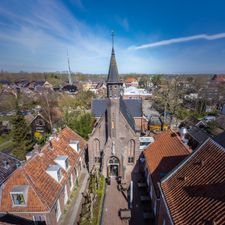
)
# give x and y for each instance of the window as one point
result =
(39, 219)
(59, 174)
(131, 151)
(130, 159)
(67, 163)
(57, 210)
(40, 122)
(113, 125)
(70, 181)
(65, 195)
(18, 199)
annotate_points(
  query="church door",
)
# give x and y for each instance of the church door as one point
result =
(113, 167)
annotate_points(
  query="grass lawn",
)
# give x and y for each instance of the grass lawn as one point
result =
(97, 207)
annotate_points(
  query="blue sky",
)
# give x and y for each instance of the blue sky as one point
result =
(151, 36)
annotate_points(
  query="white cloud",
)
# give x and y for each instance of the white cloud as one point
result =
(123, 22)
(180, 40)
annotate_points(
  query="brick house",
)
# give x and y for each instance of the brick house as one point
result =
(194, 192)
(39, 189)
(160, 158)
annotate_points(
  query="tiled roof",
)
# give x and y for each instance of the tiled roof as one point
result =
(7, 165)
(43, 189)
(195, 192)
(164, 154)
(134, 106)
(198, 134)
(127, 115)
(98, 106)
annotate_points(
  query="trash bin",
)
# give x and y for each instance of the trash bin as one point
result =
(108, 180)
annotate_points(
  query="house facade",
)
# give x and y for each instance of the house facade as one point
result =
(38, 190)
(114, 143)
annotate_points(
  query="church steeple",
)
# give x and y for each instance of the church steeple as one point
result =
(113, 76)
(114, 86)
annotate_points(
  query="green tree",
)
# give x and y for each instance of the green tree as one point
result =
(21, 135)
(156, 79)
(82, 124)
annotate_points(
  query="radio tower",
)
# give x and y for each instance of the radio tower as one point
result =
(69, 70)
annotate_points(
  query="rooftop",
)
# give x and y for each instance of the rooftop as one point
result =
(199, 198)
(7, 165)
(42, 191)
(164, 154)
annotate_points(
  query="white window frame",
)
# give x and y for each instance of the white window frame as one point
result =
(72, 181)
(18, 193)
(58, 210)
(66, 197)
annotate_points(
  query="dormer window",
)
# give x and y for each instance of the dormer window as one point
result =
(19, 195)
(55, 172)
(62, 161)
(59, 175)
(75, 145)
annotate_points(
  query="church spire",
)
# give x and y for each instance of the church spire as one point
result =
(113, 76)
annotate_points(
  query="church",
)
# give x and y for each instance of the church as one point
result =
(113, 146)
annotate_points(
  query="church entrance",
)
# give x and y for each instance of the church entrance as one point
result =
(113, 167)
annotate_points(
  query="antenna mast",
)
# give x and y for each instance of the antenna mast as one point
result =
(69, 70)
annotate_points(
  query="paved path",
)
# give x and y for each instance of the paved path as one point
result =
(114, 200)
(75, 210)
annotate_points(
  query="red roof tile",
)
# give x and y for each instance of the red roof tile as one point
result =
(164, 154)
(200, 196)
(43, 189)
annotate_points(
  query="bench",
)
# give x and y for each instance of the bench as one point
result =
(125, 214)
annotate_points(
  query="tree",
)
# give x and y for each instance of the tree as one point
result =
(82, 124)
(156, 80)
(21, 135)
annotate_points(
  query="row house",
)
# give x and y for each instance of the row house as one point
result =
(194, 192)
(38, 190)
(161, 157)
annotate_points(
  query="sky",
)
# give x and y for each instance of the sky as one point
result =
(151, 36)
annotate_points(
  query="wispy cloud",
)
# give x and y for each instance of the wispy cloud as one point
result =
(123, 22)
(180, 40)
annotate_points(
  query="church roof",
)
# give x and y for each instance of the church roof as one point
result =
(113, 76)
(133, 106)
(98, 106)
(127, 114)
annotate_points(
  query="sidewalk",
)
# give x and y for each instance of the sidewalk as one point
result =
(73, 214)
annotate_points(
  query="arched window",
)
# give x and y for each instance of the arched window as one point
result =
(96, 148)
(131, 151)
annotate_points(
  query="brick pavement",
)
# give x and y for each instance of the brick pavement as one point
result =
(114, 200)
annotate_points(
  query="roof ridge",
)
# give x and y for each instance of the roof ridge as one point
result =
(179, 166)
